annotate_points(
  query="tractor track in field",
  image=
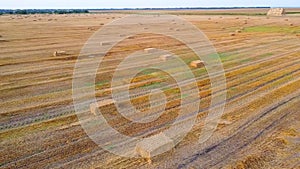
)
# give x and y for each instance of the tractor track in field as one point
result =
(40, 71)
(27, 122)
(259, 61)
(67, 112)
(233, 144)
(142, 162)
(53, 115)
(58, 148)
(40, 129)
(47, 67)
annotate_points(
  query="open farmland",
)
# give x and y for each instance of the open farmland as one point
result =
(259, 127)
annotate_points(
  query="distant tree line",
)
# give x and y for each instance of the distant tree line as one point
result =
(68, 11)
(42, 11)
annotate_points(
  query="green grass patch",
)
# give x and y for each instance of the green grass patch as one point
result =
(199, 72)
(265, 55)
(183, 96)
(148, 71)
(227, 56)
(272, 29)
(98, 84)
(292, 12)
(110, 147)
(152, 85)
(246, 60)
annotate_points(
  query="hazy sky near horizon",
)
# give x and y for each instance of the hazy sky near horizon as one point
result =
(68, 4)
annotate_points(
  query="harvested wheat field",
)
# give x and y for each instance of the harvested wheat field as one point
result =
(260, 126)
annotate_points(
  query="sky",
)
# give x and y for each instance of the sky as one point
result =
(70, 4)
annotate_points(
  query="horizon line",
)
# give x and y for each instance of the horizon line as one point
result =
(150, 8)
